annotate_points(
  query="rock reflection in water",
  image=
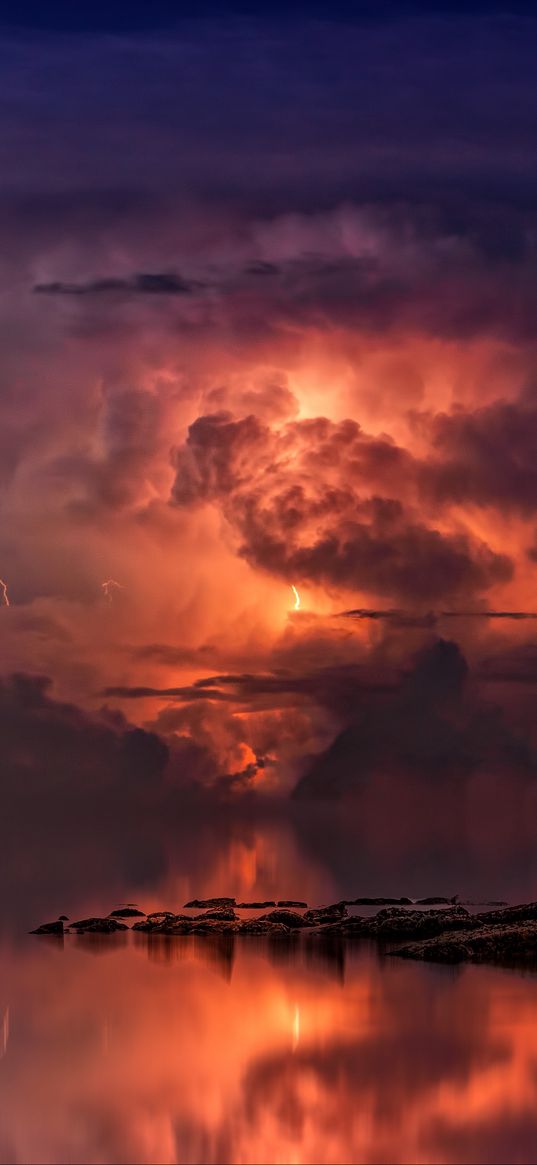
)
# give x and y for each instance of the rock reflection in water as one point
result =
(293, 1051)
(219, 950)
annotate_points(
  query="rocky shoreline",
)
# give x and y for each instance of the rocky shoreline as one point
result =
(439, 930)
(507, 936)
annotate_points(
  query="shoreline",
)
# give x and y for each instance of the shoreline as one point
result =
(434, 930)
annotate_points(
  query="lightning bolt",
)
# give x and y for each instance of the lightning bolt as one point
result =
(109, 586)
(297, 597)
(5, 596)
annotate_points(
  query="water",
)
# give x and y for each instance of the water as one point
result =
(250, 1051)
(243, 1051)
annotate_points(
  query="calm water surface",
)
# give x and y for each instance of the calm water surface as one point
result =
(242, 1050)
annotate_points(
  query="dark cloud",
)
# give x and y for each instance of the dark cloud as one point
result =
(194, 692)
(72, 790)
(354, 267)
(417, 718)
(160, 283)
(305, 502)
(394, 557)
(41, 736)
(515, 615)
(407, 618)
(332, 685)
(429, 728)
(488, 456)
(415, 274)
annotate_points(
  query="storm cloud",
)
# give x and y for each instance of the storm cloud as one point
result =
(320, 501)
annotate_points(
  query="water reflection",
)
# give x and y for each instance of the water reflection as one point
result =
(209, 1049)
(219, 951)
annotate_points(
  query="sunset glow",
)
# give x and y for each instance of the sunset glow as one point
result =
(267, 284)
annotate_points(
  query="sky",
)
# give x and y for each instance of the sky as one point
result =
(268, 291)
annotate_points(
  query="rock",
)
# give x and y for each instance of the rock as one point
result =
(526, 912)
(254, 905)
(261, 926)
(178, 926)
(220, 921)
(202, 903)
(126, 912)
(512, 944)
(378, 902)
(289, 918)
(160, 918)
(420, 924)
(165, 923)
(98, 925)
(205, 926)
(326, 914)
(220, 914)
(63, 918)
(300, 905)
(395, 923)
(49, 928)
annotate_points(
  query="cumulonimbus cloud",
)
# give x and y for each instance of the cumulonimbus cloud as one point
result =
(327, 503)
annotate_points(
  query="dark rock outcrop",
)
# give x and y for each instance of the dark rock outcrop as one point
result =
(526, 912)
(98, 925)
(289, 918)
(296, 905)
(160, 918)
(398, 924)
(49, 928)
(179, 925)
(219, 914)
(508, 944)
(213, 922)
(127, 912)
(325, 914)
(207, 903)
(254, 905)
(201, 926)
(262, 926)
